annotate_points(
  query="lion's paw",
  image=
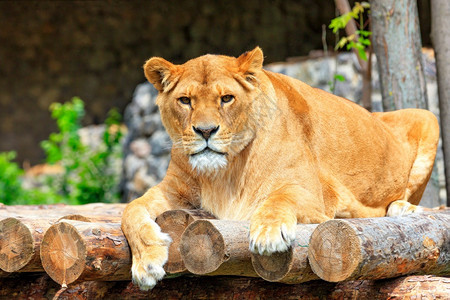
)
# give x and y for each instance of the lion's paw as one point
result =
(402, 208)
(147, 267)
(271, 236)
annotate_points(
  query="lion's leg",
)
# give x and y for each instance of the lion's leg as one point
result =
(149, 246)
(272, 226)
(422, 131)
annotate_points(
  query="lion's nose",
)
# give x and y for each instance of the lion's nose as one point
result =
(205, 132)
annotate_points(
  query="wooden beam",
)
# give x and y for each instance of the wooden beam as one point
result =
(77, 251)
(217, 247)
(379, 248)
(290, 266)
(39, 286)
(20, 241)
(174, 222)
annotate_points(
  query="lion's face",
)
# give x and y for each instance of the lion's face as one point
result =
(206, 105)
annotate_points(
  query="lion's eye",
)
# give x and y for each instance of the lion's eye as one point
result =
(185, 100)
(227, 98)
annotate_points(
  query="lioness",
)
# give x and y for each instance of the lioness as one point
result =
(249, 144)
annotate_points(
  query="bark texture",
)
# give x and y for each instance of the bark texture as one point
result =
(440, 22)
(397, 44)
(74, 250)
(290, 266)
(380, 248)
(60, 210)
(174, 222)
(39, 286)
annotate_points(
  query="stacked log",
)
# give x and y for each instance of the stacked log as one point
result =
(20, 241)
(290, 266)
(80, 251)
(80, 244)
(217, 247)
(40, 286)
(22, 230)
(174, 222)
(380, 248)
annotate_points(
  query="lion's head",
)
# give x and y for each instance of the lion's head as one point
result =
(207, 105)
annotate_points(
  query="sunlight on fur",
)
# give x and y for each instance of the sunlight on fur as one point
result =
(257, 146)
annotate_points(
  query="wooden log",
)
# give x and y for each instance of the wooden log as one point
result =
(21, 236)
(217, 247)
(35, 286)
(93, 218)
(20, 241)
(75, 250)
(59, 210)
(379, 248)
(174, 222)
(290, 266)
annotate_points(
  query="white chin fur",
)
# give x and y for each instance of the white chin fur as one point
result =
(208, 161)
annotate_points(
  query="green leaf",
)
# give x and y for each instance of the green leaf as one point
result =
(364, 33)
(339, 77)
(362, 54)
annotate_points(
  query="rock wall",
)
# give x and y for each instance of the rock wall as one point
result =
(52, 51)
(147, 146)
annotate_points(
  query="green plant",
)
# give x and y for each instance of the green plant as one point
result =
(97, 179)
(65, 146)
(10, 173)
(88, 172)
(11, 190)
(359, 41)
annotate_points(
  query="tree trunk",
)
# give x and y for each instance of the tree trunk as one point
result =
(379, 248)
(217, 247)
(75, 251)
(397, 44)
(440, 22)
(398, 47)
(174, 222)
(290, 266)
(34, 286)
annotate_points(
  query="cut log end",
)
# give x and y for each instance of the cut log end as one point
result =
(202, 247)
(16, 245)
(334, 256)
(174, 222)
(273, 267)
(63, 253)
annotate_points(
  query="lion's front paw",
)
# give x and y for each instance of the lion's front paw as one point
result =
(269, 236)
(148, 263)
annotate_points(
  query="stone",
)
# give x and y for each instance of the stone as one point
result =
(160, 143)
(158, 165)
(140, 148)
(150, 124)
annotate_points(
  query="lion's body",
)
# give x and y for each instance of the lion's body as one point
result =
(279, 153)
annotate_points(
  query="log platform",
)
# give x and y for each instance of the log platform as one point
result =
(80, 252)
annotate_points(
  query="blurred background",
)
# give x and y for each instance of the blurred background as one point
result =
(52, 51)
(81, 151)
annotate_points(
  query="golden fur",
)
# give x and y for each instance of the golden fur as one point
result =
(280, 153)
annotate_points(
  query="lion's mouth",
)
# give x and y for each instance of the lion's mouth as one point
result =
(208, 150)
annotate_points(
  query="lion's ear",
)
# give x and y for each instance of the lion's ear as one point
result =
(160, 73)
(251, 61)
